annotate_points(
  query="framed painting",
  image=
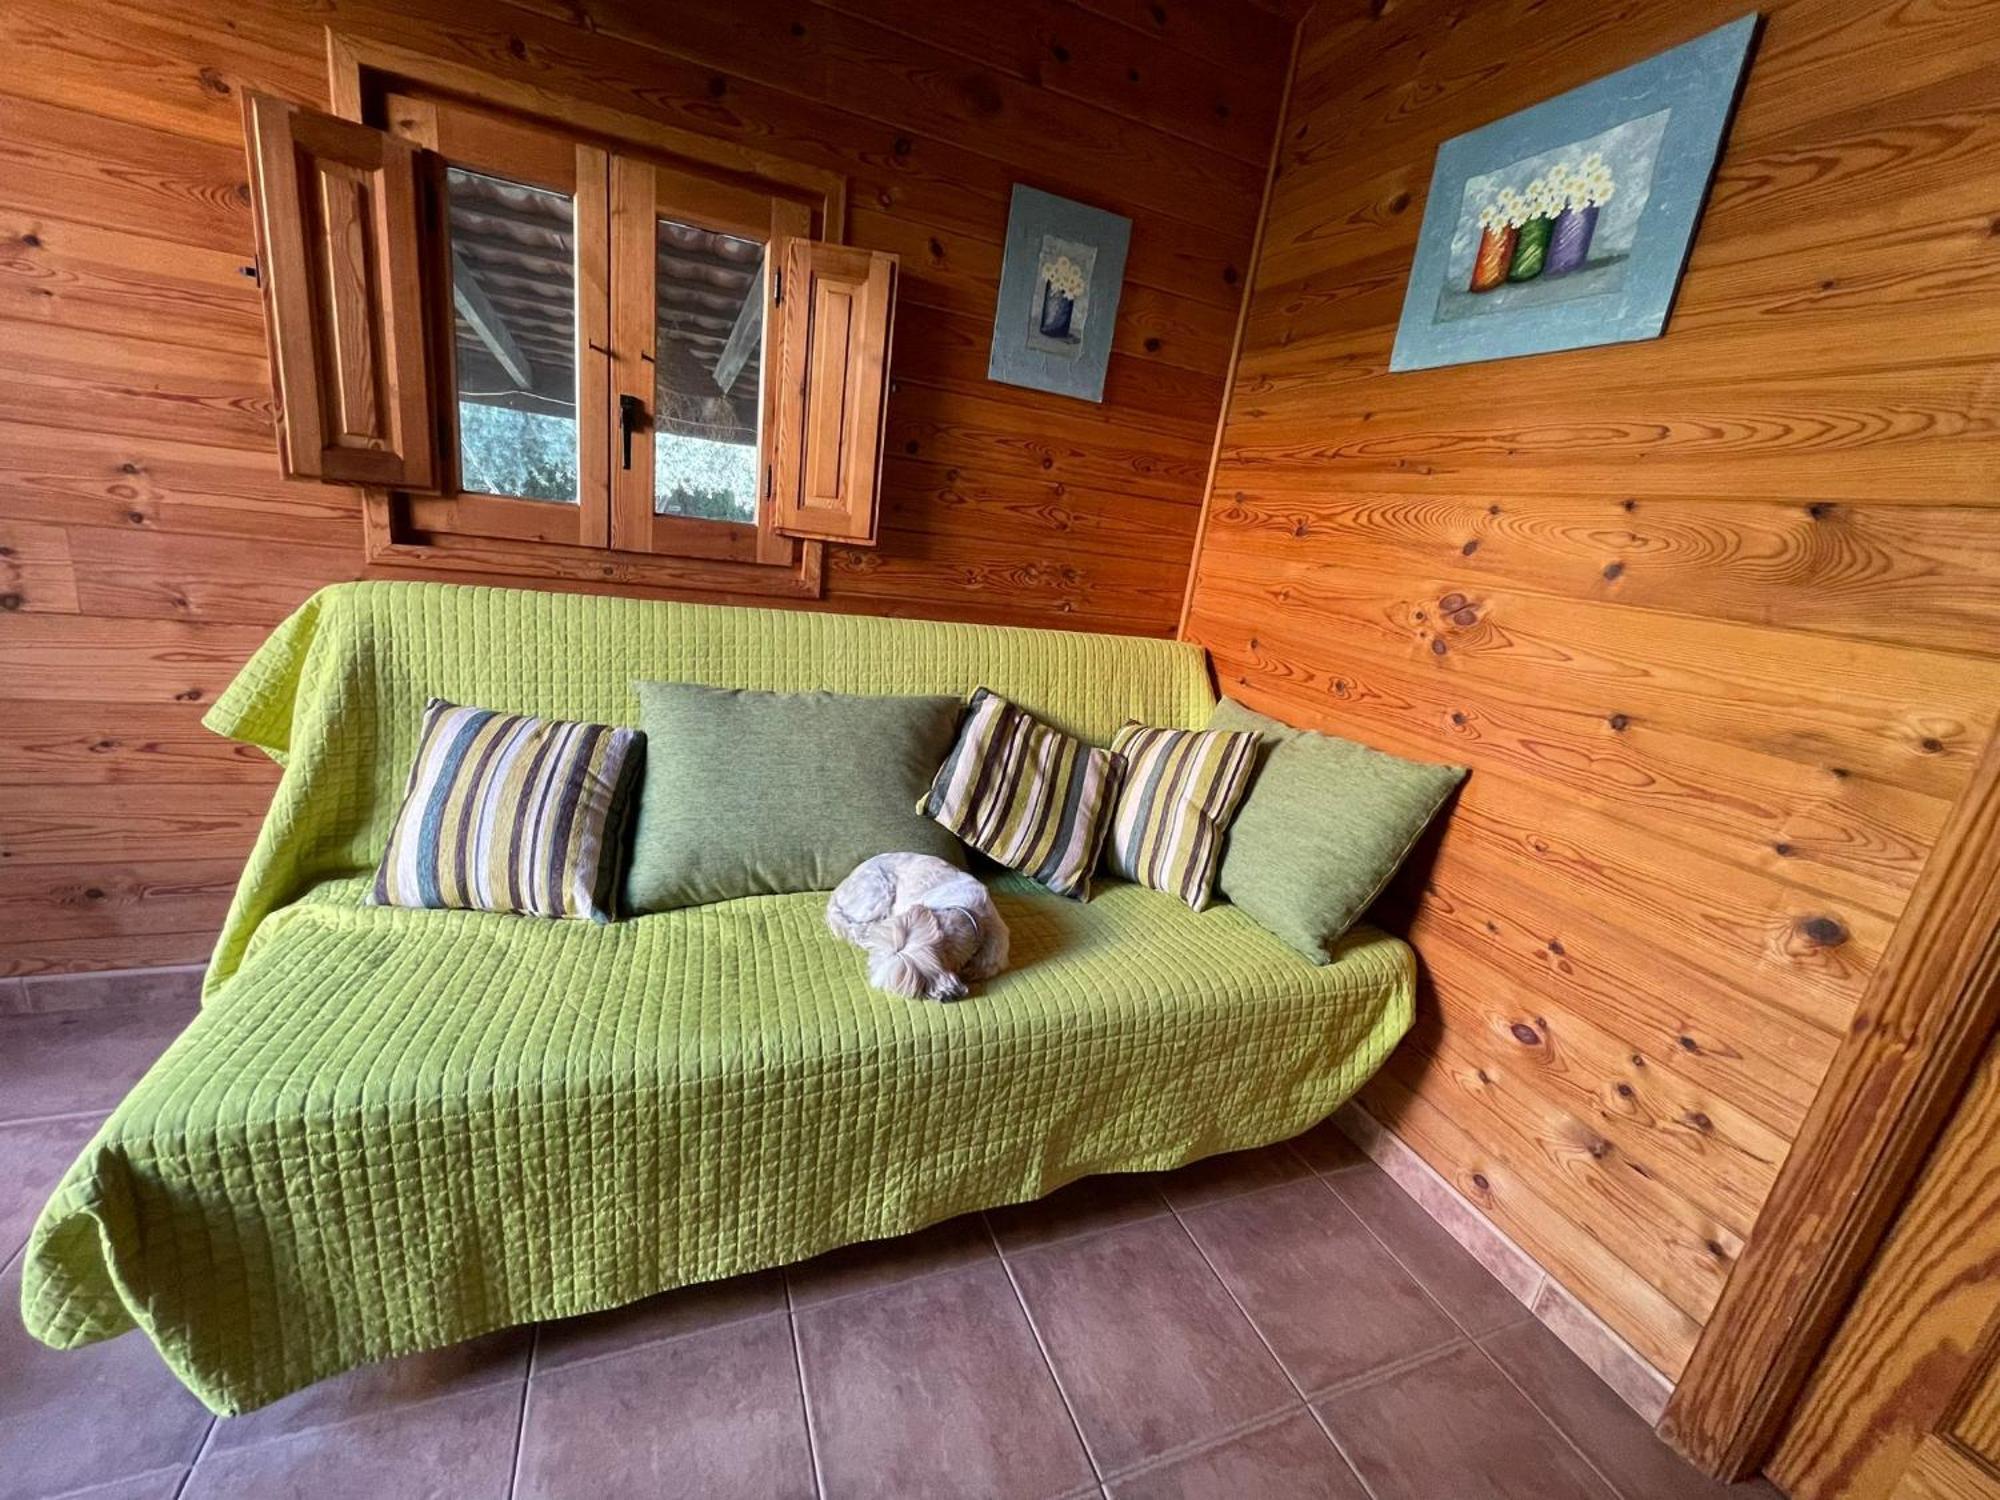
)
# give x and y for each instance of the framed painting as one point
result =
(1569, 223)
(1059, 285)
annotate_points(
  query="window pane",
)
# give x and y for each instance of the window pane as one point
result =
(709, 367)
(513, 283)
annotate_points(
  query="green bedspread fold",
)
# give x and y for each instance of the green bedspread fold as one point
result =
(389, 1130)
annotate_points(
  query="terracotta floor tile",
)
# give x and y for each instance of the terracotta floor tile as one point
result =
(1456, 1426)
(1328, 1298)
(1214, 1178)
(457, 1448)
(1150, 1349)
(81, 1061)
(716, 1414)
(936, 1388)
(1083, 1207)
(374, 1390)
(1626, 1451)
(1289, 1460)
(76, 1417)
(688, 1309)
(1466, 1289)
(33, 1157)
(878, 1263)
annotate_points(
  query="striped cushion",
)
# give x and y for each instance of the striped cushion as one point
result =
(1031, 797)
(1182, 787)
(504, 812)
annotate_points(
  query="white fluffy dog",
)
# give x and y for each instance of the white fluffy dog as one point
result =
(926, 926)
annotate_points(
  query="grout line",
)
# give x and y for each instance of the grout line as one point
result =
(1402, 1265)
(805, 1402)
(1560, 1431)
(521, 1417)
(1341, 1448)
(56, 1119)
(1062, 1394)
(656, 1341)
(1244, 1312)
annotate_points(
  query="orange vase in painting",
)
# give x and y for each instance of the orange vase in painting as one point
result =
(1496, 254)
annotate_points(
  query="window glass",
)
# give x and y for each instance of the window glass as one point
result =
(513, 283)
(708, 379)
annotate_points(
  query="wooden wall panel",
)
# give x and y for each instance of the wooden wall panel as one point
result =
(1715, 620)
(146, 542)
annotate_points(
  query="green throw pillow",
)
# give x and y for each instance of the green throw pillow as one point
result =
(749, 794)
(1325, 824)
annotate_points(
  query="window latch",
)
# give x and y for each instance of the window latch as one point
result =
(631, 417)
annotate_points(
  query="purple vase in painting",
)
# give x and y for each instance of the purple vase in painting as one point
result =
(1569, 240)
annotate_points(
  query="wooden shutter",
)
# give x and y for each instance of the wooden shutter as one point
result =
(339, 256)
(838, 307)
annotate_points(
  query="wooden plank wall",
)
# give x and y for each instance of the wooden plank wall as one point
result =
(146, 543)
(1714, 619)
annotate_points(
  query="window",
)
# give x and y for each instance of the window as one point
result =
(546, 351)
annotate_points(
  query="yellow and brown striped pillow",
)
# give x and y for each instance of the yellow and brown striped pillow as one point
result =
(1033, 798)
(505, 812)
(1182, 787)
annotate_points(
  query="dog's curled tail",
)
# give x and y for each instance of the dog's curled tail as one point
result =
(903, 956)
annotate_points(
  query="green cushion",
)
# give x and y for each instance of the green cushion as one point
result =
(753, 794)
(1326, 823)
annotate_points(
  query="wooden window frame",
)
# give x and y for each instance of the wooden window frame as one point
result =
(364, 72)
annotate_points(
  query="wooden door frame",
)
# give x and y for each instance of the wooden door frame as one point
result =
(1922, 1026)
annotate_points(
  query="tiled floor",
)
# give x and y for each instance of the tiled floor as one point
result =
(1274, 1324)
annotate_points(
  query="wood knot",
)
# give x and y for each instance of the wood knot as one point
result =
(1479, 1181)
(1059, 52)
(1699, 1121)
(1613, 571)
(1438, 648)
(1628, 505)
(1931, 745)
(1782, 849)
(1525, 1034)
(717, 86)
(1619, 722)
(798, 28)
(1458, 717)
(1556, 947)
(1398, 203)
(1825, 932)
(1450, 602)
(1689, 1044)
(1152, 346)
(1819, 510)
(1221, 109)
(1599, 1148)
(31, 241)
(1230, 275)
(901, 147)
(911, 446)
(1131, 75)
(518, 50)
(188, 695)
(11, 602)
(213, 84)
(1470, 547)
(1625, 1090)
(1715, 1249)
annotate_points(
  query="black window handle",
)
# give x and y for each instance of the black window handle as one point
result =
(631, 416)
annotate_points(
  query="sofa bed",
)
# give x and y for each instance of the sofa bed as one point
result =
(389, 1130)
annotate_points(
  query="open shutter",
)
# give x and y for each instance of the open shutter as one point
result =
(339, 256)
(837, 311)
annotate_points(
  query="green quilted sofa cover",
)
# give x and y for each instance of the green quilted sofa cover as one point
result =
(391, 1130)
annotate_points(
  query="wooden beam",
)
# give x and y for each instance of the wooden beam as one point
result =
(1922, 1026)
(484, 319)
(743, 338)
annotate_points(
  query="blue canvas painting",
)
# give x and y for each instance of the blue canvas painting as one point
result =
(1059, 285)
(1568, 224)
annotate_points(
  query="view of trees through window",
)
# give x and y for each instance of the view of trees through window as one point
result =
(533, 455)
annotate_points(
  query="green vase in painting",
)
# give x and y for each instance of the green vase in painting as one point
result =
(1531, 250)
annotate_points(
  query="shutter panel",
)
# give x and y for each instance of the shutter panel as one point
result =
(339, 256)
(838, 310)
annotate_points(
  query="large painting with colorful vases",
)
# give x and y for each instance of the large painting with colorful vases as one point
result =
(1568, 224)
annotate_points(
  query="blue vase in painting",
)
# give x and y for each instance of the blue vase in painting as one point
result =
(1056, 310)
(1569, 240)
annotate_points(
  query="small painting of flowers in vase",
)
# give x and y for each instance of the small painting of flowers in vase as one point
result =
(1060, 276)
(1568, 223)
